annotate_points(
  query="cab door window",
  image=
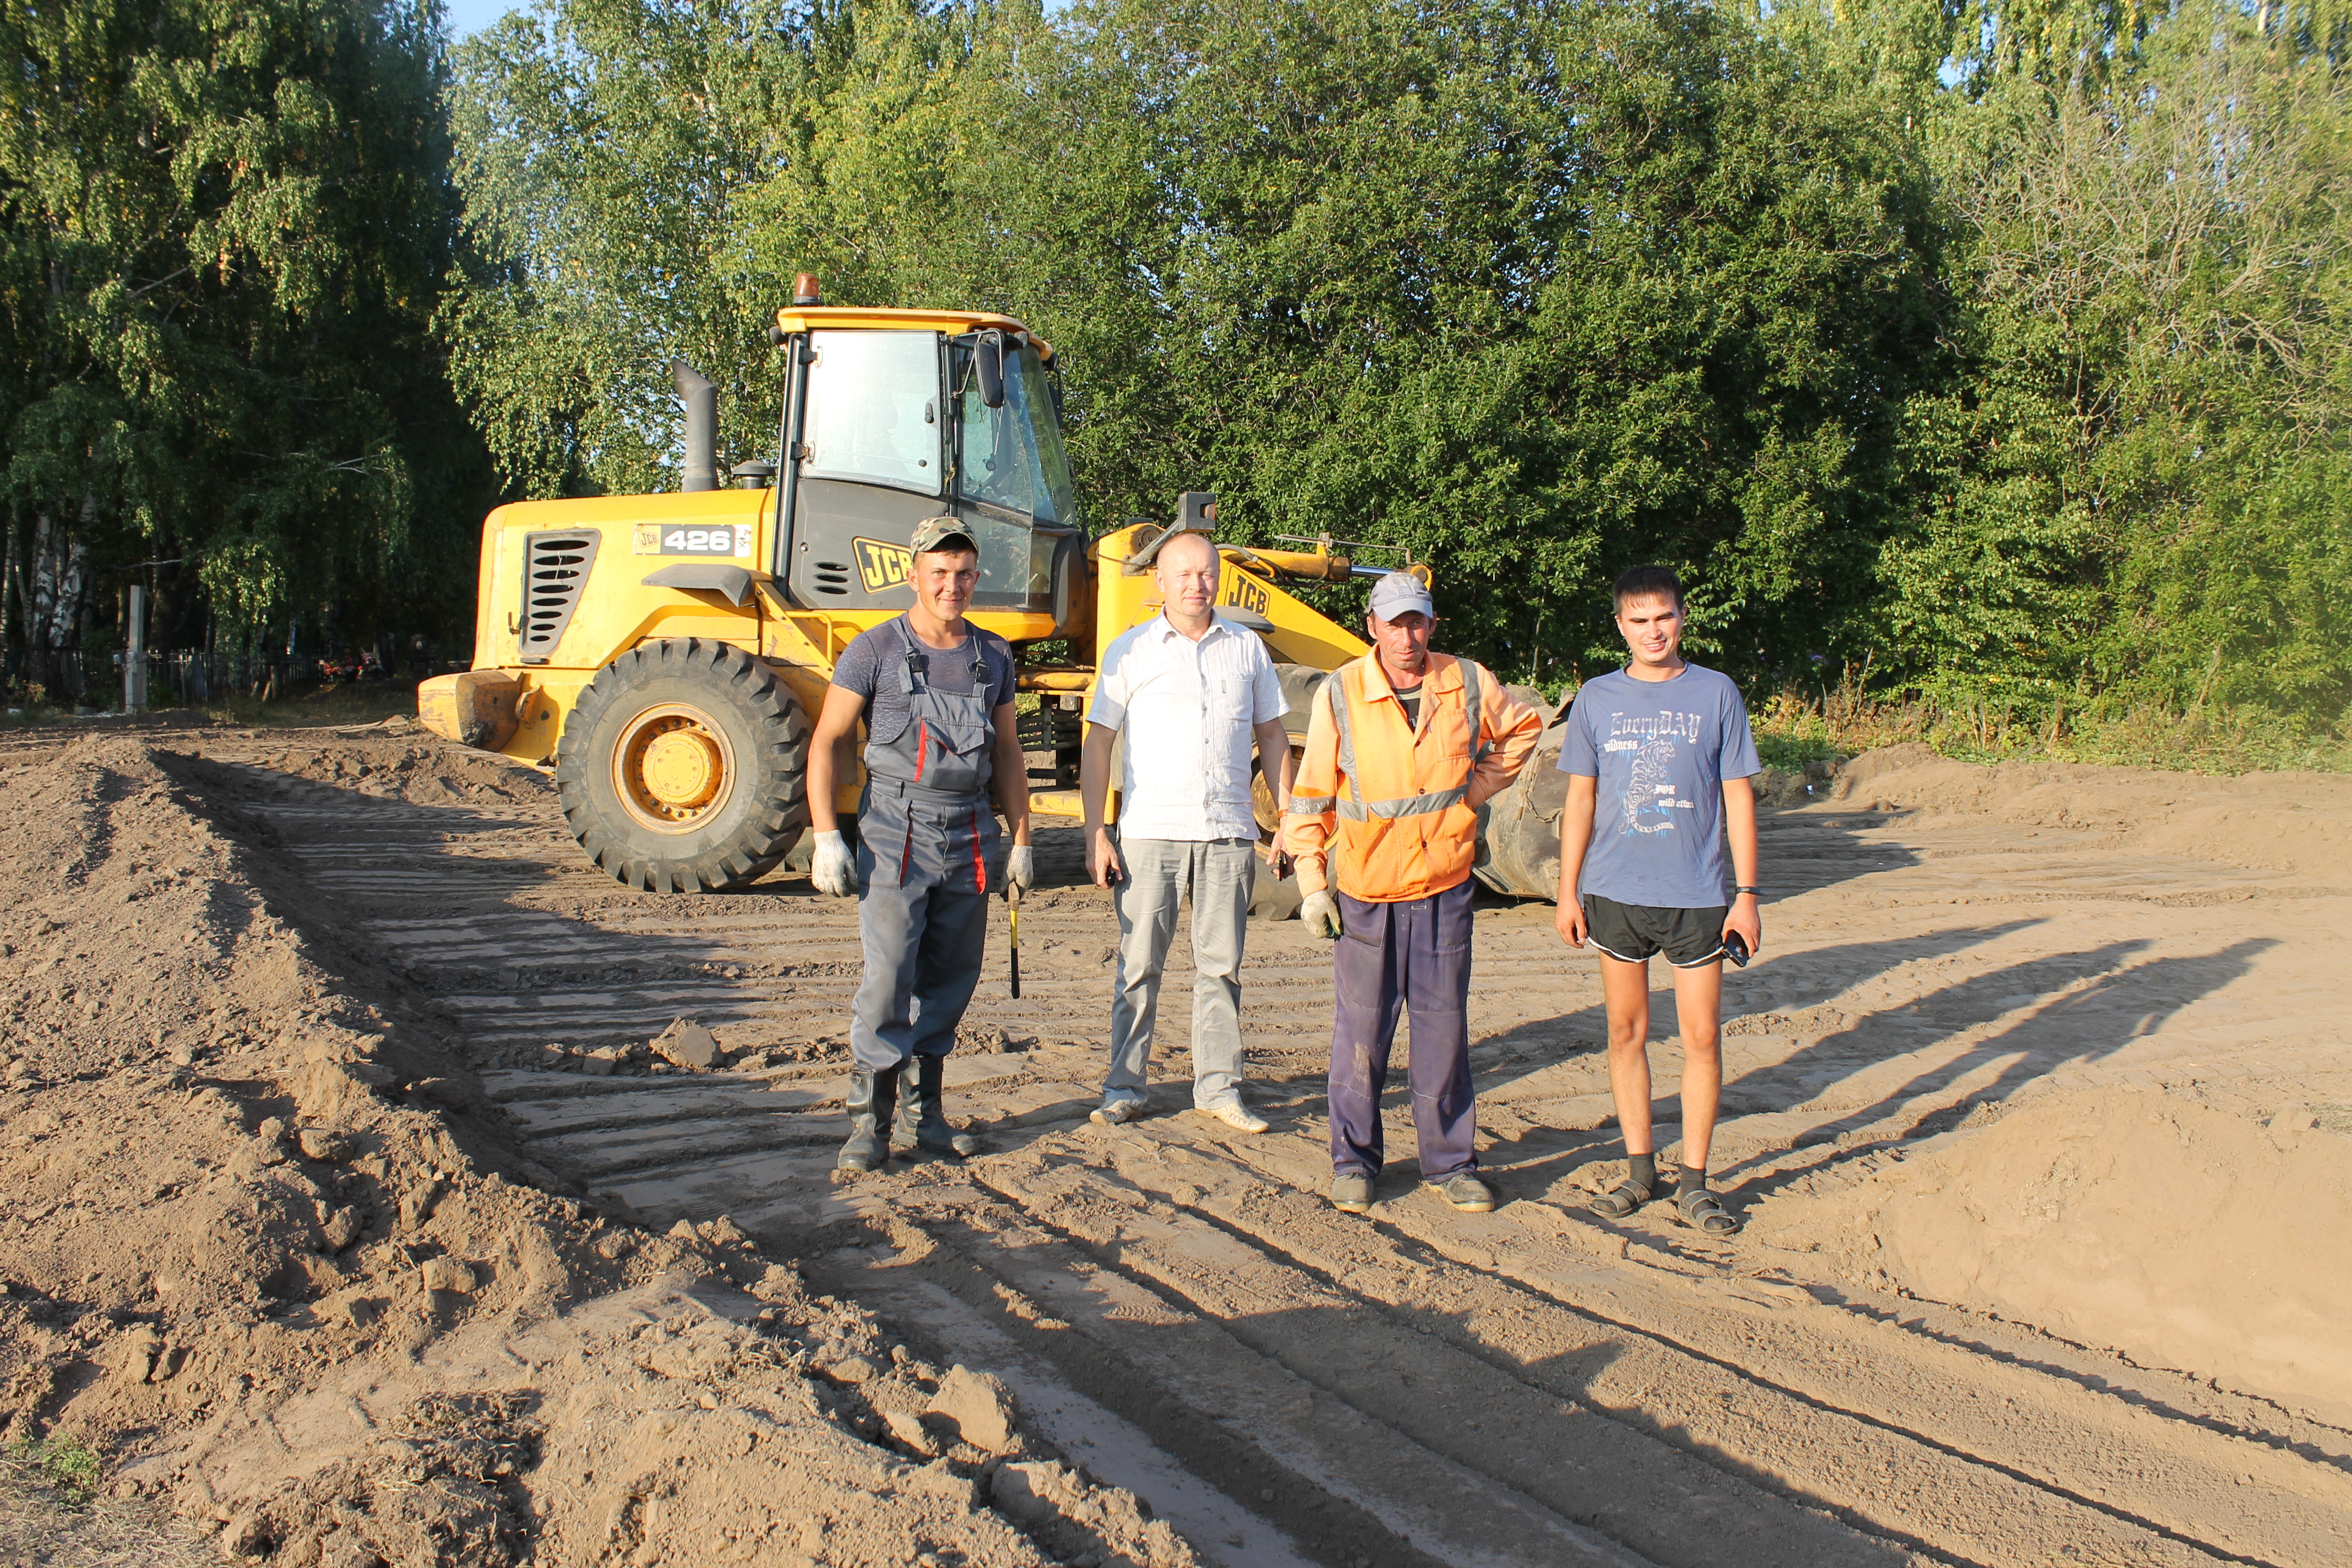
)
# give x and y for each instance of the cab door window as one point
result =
(874, 409)
(1011, 457)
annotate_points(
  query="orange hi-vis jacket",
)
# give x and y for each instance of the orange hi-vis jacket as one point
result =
(1403, 801)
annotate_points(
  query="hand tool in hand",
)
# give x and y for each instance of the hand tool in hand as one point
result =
(1013, 946)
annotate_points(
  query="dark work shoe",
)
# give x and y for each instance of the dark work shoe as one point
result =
(925, 1125)
(1351, 1192)
(1465, 1192)
(872, 1103)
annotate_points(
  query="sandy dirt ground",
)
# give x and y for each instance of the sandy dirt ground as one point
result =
(355, 1216)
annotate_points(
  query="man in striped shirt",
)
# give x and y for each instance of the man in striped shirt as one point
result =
(1187, 693)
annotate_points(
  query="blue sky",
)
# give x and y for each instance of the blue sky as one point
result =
(472, 16)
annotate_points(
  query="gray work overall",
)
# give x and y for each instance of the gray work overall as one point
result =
(926, 840)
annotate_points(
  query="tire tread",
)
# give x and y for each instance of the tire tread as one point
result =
(773, 768)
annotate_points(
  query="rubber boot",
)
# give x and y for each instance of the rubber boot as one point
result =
(873, 1100)
(925, 1126)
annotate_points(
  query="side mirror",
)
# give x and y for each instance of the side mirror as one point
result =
(988, 364)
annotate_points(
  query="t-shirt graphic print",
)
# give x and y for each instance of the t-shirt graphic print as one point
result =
(1651, 797)
(1659, 752)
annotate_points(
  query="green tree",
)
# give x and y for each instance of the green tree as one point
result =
(604, 150)
(1537, 292)
(2128, 485)
(1975, 345)
(224, 228)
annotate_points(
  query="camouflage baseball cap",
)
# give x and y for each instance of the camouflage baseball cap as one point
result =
(941, 533)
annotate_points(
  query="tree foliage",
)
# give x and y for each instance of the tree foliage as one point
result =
(226, 226)
(1966, 344)
(2152, 408)
(1995, 346)
(1522, 290)
(604, 150)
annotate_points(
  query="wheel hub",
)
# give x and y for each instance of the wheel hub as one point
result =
(673, 768)
(682, 767)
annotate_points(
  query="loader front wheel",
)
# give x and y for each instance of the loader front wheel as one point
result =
(1300, 684)
(683, 767)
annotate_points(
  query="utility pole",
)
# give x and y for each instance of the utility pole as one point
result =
(134, 652)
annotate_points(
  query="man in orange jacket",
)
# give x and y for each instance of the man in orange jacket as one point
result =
(1402, 747)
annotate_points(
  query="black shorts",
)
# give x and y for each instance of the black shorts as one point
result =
(1636, 933)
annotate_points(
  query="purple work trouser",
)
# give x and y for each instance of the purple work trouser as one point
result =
(1414, 953)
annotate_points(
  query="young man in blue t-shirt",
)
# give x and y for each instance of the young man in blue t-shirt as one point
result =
(1659, 757)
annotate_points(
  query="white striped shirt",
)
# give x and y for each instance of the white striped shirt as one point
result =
(1184, 710)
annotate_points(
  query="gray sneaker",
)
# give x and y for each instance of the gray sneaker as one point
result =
(1465, 1192)
(1351, 1192)
(1116, 1112)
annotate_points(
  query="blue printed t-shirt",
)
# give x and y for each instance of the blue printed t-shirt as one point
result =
(1661, 751)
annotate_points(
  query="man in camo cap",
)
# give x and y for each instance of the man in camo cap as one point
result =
(936, 692)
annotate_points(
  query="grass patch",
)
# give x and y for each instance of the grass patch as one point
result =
(65, 1465)
(52, 1513)
(1998, 722)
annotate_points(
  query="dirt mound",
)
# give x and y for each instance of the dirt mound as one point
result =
(649, 1425)
(2184, 1236)
(2295, 822)
(398, 760)
(266, 1243)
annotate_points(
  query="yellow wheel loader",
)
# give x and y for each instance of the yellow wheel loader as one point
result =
(662, 654)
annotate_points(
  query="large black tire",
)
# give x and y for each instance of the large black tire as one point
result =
(1519, 830)
(1276, 901)
(683, 767)
(1300, 684)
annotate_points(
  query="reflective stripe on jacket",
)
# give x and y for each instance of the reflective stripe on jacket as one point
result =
(1399, 805)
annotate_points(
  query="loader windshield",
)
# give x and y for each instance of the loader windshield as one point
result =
(872, 408)
(1011, 457)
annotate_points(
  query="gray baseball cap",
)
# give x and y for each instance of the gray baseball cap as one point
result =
(1398, 591)
(936, 532)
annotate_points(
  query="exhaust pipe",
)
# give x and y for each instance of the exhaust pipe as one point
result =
(702, 401)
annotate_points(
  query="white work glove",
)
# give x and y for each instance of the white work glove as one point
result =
(1321, 911)
(1020, 869)
(830, 869)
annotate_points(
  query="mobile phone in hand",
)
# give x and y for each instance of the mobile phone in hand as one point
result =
(1735, 948)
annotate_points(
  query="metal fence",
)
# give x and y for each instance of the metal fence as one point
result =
(176, 677)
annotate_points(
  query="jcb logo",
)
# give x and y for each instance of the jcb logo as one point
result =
(1246, 595)
(881, 565)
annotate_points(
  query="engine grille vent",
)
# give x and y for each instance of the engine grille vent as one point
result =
(555, 573)
(832, 577)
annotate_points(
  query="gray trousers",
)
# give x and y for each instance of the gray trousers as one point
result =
(1220, 874)
(923, 950)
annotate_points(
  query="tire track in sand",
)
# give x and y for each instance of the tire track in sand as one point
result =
(1631, 1403)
